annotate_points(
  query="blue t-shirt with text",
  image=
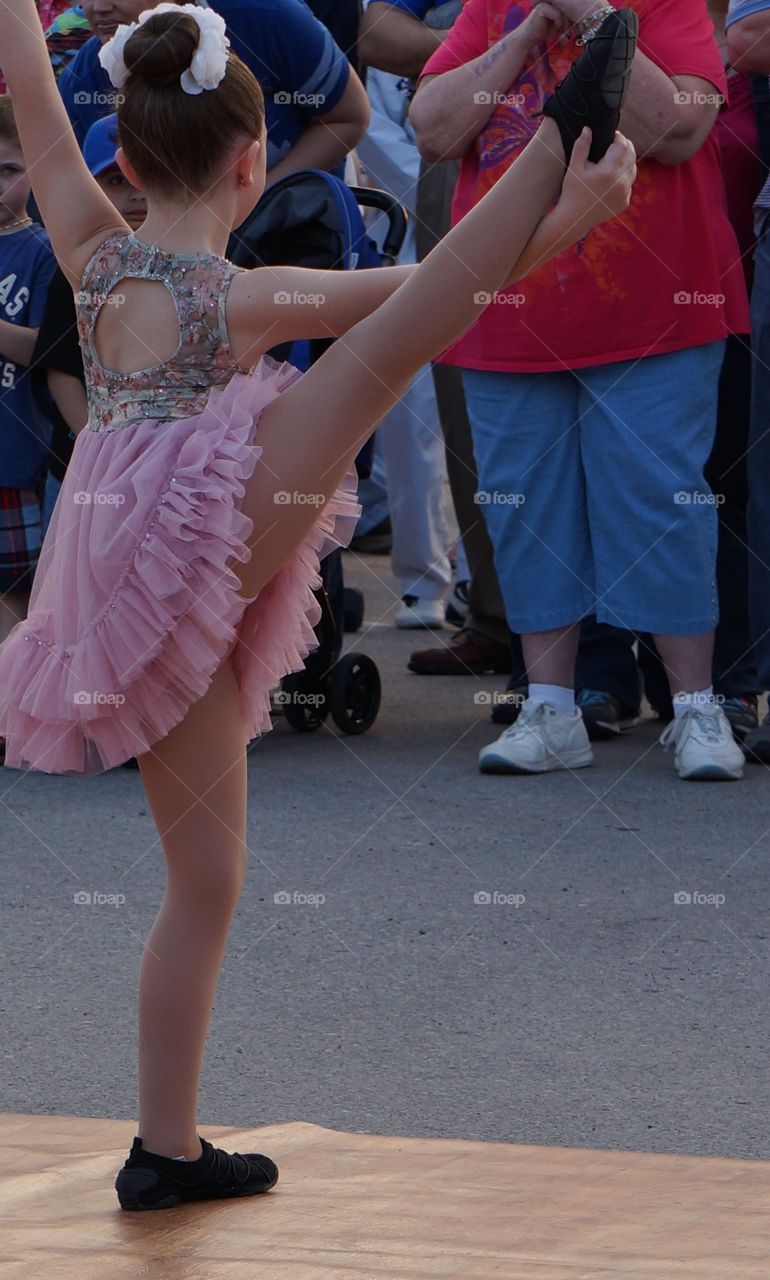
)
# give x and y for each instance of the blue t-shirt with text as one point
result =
(27, 264)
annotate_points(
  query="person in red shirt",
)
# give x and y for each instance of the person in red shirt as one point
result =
(592, 386)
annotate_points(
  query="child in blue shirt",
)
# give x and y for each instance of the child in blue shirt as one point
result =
(26, 266)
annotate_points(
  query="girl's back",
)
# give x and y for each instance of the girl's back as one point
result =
(153, 329)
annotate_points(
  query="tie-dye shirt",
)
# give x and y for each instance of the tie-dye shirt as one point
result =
(664, 276)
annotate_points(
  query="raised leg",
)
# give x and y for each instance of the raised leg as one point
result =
(312, 432)
(195, 781)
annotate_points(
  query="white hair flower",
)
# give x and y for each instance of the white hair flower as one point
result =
(111, 54)
(209, 62)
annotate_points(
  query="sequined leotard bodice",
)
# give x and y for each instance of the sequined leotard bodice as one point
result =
(179, 386)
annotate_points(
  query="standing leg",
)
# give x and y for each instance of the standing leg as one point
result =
(195, 781)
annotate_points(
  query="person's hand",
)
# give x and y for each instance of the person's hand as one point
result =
(545, 22)
(594, 193)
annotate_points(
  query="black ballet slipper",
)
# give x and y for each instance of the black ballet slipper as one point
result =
(150, 1181)
(593, 92)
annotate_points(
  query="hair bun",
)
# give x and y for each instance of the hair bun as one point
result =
(162, 48)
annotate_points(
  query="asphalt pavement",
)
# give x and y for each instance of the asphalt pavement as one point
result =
(577, 959)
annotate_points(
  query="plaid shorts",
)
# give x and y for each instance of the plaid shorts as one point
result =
(20, 537)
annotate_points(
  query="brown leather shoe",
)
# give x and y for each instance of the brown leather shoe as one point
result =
(468, 653)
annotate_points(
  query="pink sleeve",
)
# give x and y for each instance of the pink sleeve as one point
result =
(677, 35)
(467, 39)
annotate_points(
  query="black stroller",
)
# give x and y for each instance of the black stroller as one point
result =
(312, 219)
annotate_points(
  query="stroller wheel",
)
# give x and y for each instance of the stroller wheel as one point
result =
(354, 693)
(305, 706)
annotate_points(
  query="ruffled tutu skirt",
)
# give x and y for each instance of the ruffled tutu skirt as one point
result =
(134, 605)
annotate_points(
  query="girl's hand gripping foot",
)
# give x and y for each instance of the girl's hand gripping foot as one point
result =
(594, 193)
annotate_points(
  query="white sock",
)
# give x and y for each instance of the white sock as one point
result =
(701, 699)
(556, 696)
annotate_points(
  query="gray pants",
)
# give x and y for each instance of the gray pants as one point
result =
(487, 612)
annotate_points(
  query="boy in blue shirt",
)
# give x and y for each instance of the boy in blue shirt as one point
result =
(26, 266)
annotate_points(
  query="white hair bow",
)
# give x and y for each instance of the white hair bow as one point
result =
(209, 62)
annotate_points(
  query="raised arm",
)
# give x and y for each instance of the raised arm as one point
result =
(76, 212)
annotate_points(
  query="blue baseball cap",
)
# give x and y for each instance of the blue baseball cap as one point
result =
(101, 144)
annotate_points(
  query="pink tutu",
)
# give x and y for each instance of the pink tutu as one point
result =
(130, 617)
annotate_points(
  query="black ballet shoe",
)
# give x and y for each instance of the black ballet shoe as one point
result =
(150, 1181)
(593, 92)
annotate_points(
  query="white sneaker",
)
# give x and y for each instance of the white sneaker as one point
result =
(704, 745)
(541, 739)
(415, 613)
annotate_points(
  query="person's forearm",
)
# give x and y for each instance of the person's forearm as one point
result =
(449, 111)
(69, 396)
(322, 146)
(748, 43)
(392, 40)
(660, 125)
(17, 342)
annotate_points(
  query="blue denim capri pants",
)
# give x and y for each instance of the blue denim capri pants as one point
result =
(591, 484)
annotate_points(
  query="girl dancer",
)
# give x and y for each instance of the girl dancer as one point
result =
(175, 584)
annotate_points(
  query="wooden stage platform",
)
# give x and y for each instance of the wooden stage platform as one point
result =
(351, 1206)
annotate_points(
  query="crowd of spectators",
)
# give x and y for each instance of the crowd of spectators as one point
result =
(602, 428)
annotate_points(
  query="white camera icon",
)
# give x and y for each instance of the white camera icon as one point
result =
(482, 299)
(482, 698)
(682, 899)
(482, 898)
(82, 898)
(682, 99)
(282, 497)
(82, 698)
(282, 98)
(483, 98)
(82, 498)
(682, 299)
(282, 297)
(282, 897)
